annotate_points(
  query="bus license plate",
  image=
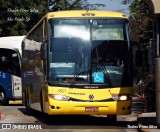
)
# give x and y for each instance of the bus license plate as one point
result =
(91, 109)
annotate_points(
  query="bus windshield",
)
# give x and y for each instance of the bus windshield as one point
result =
(10, 61)
(89, 51)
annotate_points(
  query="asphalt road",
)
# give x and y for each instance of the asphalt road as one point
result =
(15, 116)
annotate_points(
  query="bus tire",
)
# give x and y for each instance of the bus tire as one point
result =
(25, 99)
(28, 108)
(112, 118)
(47, 118)
(41, 101)
(4, 101)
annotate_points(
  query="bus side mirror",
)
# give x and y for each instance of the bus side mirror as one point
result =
(44, 50)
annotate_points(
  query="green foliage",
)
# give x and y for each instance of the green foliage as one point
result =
(17, 17)
(149, 81)
(141, 27)
(141, 20)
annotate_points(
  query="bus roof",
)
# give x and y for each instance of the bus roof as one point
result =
(84, 13)
(81, 14)
(11, 42)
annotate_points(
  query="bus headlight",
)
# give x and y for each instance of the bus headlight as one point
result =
(121, 97)
(59, 97)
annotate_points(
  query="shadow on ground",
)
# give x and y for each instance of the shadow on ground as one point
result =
(78, 121)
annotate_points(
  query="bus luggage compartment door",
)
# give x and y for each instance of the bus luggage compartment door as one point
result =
(17, 87)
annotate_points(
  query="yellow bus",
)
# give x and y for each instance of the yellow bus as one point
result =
(78, 63)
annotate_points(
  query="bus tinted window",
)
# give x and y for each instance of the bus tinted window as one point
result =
(108, 30)
(9, 61)
(75, 43)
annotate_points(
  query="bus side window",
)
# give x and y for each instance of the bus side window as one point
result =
(4, 60)
(5, 63)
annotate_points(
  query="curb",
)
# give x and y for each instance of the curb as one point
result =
(147, 118)
(147, 122)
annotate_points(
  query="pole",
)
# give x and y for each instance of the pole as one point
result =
(157, 81)
(157, 72)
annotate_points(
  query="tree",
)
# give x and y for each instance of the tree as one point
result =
(141, 20)
(141, 27)
(17, 17)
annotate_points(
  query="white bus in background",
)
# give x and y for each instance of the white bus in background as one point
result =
(10, 69)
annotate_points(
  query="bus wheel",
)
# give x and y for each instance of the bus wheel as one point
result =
(47, 118)
(28, 108)
(4, 100)
(112, 118)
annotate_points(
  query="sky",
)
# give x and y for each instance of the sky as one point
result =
(112, 5)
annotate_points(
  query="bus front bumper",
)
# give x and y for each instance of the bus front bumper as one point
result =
(87, 108)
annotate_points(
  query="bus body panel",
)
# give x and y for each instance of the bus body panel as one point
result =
(83, 14)
(81, 96)
(33, 90)
(11, 85)
(81, 101)
(6, 83)
(32, 80)
(17, 87)
(66, 107)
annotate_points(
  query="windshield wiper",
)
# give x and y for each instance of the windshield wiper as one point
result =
(103, 69)
(82, 62)
(76, 76)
